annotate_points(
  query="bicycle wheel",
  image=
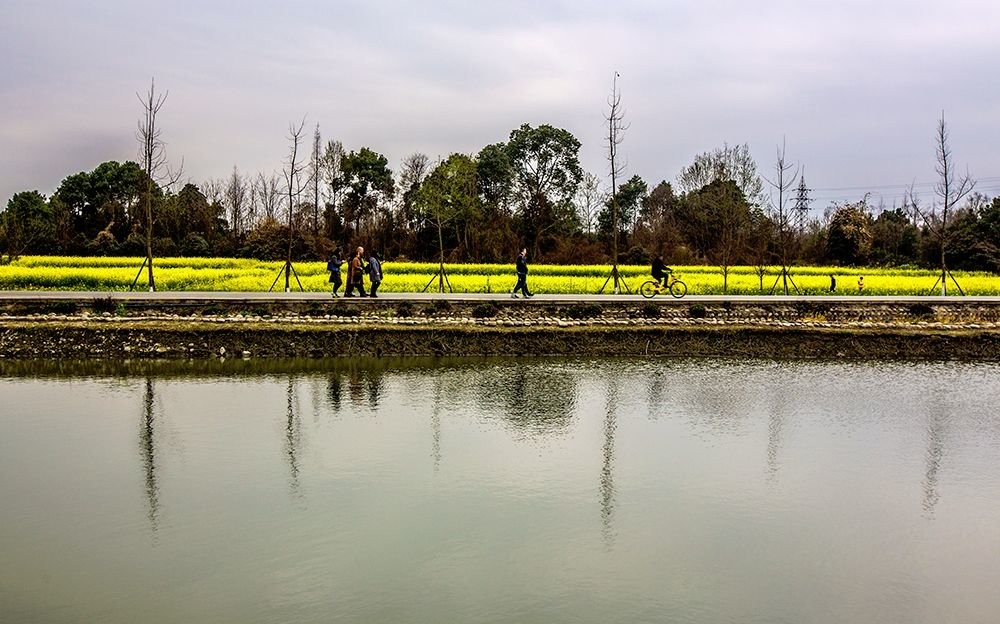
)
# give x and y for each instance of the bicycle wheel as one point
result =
(678, 289)
(648, 289)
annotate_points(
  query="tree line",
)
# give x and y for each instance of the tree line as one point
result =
(529, 191)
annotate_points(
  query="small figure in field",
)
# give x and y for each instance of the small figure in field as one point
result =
(374, 273)
(833, 283)
(356, 274)
(333, 266)
(659, 271)
(861, 284)
(522, 275)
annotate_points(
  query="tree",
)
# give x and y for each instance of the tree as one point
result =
(368, 180)
(26, 224)
(152, 153)
(495, 178)
(449, 194)
(725, 163)
(894, 239)
(782, 215)
(849, 235)
(949, 191)
(588, 202)
(315, 176)
(293, 184)
(546, 166)
(237, 201)
(616, 128)
(716, 220)
(628, 199)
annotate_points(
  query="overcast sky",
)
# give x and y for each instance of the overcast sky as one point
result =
(853, 88)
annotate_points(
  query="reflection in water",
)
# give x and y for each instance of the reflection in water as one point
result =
(607, 467)
(147, 450)
(293, 433)
(436, 424)
(334, 389)
(534, 399)
(933, 457)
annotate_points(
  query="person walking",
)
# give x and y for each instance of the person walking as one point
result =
(333, 266)
(374, 273)
(861, 284)
(833, 283)
(356, 274)
(522, 275)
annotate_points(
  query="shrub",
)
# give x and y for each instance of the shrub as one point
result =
(697, 311)
(584, 310)
(650, 310)
(485, 310)
(105, 304)
(404, 309)
(921, 310)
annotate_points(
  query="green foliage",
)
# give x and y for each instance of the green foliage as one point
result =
(849, 237)
(697, 311)
(27, 224)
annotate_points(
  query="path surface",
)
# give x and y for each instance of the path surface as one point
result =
(257, 297)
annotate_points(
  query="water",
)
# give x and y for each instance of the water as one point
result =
(500, 491)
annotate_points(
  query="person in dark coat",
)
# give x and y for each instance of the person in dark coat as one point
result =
(356, 274)
(374, 273)
(658, 270)
(333, 266)
(522, 275)
(833, 283)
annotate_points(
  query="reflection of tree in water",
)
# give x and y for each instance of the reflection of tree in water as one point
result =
(293, 437)
(934, 455)
(534, 399)
(334, 390)
(147, 450)
(607, 467)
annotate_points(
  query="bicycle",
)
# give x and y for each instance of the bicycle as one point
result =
(651, 288)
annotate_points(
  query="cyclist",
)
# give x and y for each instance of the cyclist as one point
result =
(659, 271)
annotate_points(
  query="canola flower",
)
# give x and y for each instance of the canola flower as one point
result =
(248, 275)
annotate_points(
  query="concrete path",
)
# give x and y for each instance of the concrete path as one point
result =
(256, 297)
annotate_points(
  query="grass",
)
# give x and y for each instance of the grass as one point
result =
(101, 274)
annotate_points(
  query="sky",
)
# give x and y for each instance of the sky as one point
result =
(853, 90)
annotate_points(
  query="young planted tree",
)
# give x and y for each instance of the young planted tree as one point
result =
(449, 194)
(616, 128)
(949, 191)
(153, 157)
(783, 215)
(293, 184)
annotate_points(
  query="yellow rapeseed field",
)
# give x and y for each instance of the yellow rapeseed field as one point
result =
(238, 274)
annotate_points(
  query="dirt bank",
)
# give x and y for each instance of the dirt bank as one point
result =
(111, 339)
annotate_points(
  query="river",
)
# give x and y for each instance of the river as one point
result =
(500, 490)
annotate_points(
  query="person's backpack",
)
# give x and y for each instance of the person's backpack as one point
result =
(331, 265)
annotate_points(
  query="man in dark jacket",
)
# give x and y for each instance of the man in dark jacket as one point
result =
(522, 275)
(374, 273)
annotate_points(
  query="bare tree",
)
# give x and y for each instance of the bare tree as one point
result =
(949, 191)
(237, 203)
(725, 163)
(782, 214)
(152, 153)
(315, 176)
(293, 182)
(266, 192)
(589, 199)
(616, 128)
